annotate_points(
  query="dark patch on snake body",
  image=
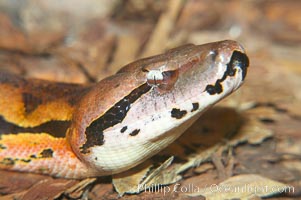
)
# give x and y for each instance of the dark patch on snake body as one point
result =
(25, 160)
(31, 102)
(47, 153)
(135, 132)
(115, 115)
(238, 59)
(177, 113)
(195, 106)
(33, 156)
(43, 91)
(11, 161)
(7, 161)
(11, 79)
(54, 128)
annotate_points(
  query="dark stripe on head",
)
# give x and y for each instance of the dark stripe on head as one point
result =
(238, 59)
(177, 113)
(115, 115)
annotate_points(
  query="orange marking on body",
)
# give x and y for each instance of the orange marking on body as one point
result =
(23, 152)
(13, 110)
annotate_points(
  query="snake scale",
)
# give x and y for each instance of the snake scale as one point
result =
(77, 131)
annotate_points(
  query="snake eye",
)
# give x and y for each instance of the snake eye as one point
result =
(154, 77)
(164, 80)
(240, 60)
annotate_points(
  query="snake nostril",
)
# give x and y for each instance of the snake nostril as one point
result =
(240, 60)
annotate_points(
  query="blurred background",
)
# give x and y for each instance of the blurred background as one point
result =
(84, 41)
(97, 37)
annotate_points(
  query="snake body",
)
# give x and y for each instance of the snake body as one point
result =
(77, 131)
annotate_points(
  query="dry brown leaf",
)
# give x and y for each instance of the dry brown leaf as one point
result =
(244, 186)
(289, 146)
(128, 181)
(294, 165)
(252, 132)
(196, 160)
(161, 176)
(203, 168)
(54, 189)
(76, 191)
(142, 177)
(123, 54)
(163, 29)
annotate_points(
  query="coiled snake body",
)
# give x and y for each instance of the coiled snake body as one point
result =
(118, 122)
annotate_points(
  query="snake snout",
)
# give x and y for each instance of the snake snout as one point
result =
(240, 60)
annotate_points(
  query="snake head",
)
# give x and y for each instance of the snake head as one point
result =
(130, 116)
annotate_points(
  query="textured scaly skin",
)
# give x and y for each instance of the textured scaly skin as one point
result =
(35, 153)
(77, 131)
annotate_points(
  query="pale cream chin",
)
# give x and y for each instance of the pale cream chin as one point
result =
(116, 158)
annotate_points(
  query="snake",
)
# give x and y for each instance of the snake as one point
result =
(77, 131)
